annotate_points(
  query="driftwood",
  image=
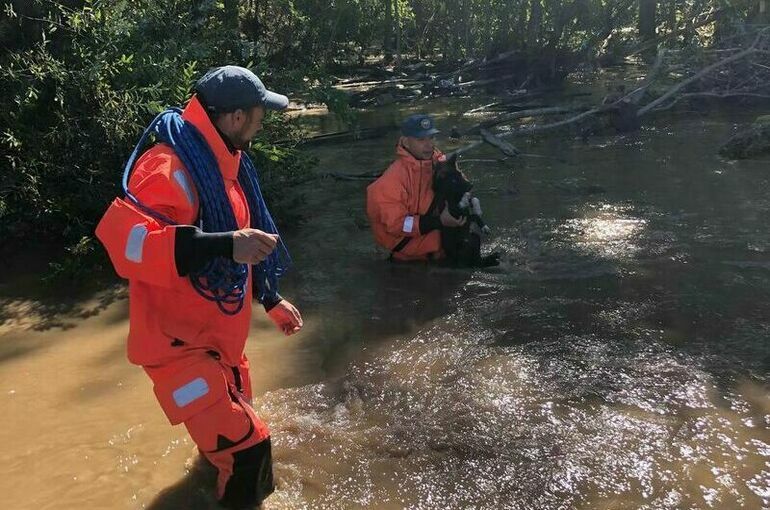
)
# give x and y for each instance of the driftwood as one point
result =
(506, 148)
(516, 67)
(536, 112)
(348, 136)
(638, 93)
(481, 83)
(367, 176)
(535, 128)
(377, 83)
(714, 95)
(628, 103)
(751, 50)
(478, 64)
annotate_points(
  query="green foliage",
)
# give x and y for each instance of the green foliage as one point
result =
(77, 267)
(78, 94)
(336, 101)
(82, 78)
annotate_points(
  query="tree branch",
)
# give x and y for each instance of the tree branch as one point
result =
(753, 49)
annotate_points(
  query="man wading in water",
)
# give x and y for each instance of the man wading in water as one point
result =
(398, 203)
(194, 239)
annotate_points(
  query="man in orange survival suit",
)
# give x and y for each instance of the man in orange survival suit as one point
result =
(188, 334)
(398, 203)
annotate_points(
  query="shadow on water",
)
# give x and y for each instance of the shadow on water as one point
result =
(42, 306)
(32, 308)
(194, 491)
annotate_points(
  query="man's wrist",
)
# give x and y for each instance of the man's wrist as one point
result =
(271, 302)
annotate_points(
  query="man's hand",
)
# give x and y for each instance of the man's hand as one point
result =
(450, 221)
(252, 246)
(286, 317)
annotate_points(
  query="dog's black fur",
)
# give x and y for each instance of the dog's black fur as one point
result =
(462, 245)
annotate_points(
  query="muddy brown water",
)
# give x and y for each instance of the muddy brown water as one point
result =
(619, 357)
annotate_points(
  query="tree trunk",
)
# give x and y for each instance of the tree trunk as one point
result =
(398, 34)
(672, 10)
(231, 14)
(387, 44)
(519, 29)
(251, 25)
(722, 28)
(468, 21)
(647, 20)
(533, 26)
(230, 22)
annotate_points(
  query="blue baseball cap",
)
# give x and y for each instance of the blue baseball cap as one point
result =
(419, 125)
(229, 88)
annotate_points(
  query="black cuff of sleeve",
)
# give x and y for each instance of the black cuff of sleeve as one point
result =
(270, 301)
(193, 249)
(428, 223)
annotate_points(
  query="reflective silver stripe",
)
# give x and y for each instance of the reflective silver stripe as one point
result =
(408, 224)
(191, 391)
(181, 178)
(135, 243)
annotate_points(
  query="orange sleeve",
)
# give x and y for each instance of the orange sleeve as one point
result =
(161, 182)
(140, 246)
(388, 199)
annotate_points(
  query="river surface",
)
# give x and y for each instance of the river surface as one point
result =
(618, 358)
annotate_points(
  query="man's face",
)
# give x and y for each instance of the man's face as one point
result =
(248, 128)
(421, 148)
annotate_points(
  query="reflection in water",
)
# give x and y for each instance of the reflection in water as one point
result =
(603, 366)
(607, 233)
(451, 419)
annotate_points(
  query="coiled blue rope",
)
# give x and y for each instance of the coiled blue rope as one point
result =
(222, 280)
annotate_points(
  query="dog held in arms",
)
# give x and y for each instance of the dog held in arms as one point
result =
(462, 245)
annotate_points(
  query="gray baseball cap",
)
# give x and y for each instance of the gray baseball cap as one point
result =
(229, 88)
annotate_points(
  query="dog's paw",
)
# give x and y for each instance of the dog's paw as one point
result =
(486, 230)
(476, 206)
(465, 201)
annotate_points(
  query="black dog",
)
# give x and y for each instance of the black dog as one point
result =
(462, 245)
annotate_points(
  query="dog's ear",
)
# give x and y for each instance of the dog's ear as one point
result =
(452, 160)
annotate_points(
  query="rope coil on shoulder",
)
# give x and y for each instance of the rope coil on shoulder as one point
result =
(222, 280)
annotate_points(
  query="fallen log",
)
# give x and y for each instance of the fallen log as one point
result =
(627, 102)
(715, 95)
(347, 136)
(751, 50)
(367, 176)
(506, 148)
(478, 64)
(381, 83)
(536, 112)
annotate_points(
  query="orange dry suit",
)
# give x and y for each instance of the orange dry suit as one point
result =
(398, 206)
(192, 351)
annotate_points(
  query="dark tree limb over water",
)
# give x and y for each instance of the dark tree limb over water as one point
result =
(709, 79)
(756, 48)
